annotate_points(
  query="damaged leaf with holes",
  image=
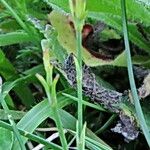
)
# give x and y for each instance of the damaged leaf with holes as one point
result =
(111, 100)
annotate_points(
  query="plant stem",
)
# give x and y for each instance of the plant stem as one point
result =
(98, 107)
(138, 108)
(13, 124)
(56, 115)
(78, 10)
(32, 136)
(14, 14)
(52, 99)
(107, 124)
(20, 22)
(60, 128)
(50, 87)
(79, 42)
(79, 75)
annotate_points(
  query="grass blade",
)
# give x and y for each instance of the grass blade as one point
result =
(14, 38)
(13, 124)
(32, 136)
(98, 107)
(57, 116)
(138, 108)
(14, 14)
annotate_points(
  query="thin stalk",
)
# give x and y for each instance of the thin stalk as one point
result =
(22, 6)
(46, 87)
(60, 128)
(107, 124)
(79, 75)
(72, 140)
(97, 144)
(98, 107)
(50, 88)
(14, 14)
(13, 124)
(56, 115)
(138, 108)
(20, 22)
(78, 10)
(51, 96)
(79, 41)
(82, 138)
(32, 137)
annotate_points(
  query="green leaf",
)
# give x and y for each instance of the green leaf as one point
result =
(90, 136)
(59, 4)
(6, 139)
(82, 138)
(14, 38)
(9, 25)
(38, 114)
(6, 68)
(16, 115)
(146, 111)
(66, 37)
(110, 13)
(9, 73)
(42, 111)
(141, 60)
(139, 111)
(115, 22)
(137, 13)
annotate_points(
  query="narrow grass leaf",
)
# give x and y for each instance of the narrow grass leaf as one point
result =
(9, 73)
(32, 137)
(6, 139)
(14, 38)
(16, 115)
(42, 111)
(98, 107)
(138, 108)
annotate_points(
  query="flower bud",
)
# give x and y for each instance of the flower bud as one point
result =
(78, 9)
